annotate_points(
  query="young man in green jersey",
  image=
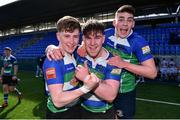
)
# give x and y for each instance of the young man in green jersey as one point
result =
(9, 75)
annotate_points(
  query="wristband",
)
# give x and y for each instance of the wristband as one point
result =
(84, 89)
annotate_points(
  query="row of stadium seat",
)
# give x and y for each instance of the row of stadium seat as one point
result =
(32, 46)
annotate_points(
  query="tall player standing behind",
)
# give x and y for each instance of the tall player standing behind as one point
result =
(133, 54)
(9, 75)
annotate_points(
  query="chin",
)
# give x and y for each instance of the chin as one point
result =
(123, 36)
(70, 51)
(93, 55)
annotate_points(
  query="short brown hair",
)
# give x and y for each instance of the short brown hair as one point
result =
(92, 26)
(68, 24)
(126, 8)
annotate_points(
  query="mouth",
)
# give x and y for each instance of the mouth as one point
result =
(71, 46)
(92, 48)
(123, 31)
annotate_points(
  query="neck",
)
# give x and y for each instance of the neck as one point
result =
(7, 56)
(102, 53)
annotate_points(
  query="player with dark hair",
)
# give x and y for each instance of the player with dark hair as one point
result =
(98, 103)
(9, 75)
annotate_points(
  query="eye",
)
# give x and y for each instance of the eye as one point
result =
(130, 20)
(76, 36)
(98, 37)
(120, 19)
(66, 36)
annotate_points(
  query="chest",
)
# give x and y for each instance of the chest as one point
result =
(8, 63)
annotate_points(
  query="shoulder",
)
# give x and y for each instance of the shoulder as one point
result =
(109, 31)
(53, 63)
(13, 57)
(136, 38)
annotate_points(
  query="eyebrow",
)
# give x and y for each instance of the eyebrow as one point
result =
(127, 18)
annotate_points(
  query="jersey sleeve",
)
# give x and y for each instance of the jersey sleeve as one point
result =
(15, 61)
(113, 73)
(53, 72)
(142, 49)
(2, 63)
(108, 32)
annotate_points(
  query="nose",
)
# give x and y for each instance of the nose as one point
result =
(92, 41)
(72, 40)
(125, 22)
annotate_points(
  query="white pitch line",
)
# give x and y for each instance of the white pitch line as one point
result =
(156, 101)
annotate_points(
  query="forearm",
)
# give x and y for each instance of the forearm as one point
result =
(2, 71)
(107, 91)
(15, 70)
(65, 97)
(148, 71)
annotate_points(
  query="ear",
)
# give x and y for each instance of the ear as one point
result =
(58, 35)
(133, 24)
(103, 38)
(83, 38)
(83, 41)
(114, 23)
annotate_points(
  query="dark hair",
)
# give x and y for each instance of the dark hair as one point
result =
(8, 48)
(68, 24)
(126, 8)
(92, 26)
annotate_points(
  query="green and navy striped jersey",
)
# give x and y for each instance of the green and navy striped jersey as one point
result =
(133, 49)
(8, 65)
(104, 71)
(60, 72)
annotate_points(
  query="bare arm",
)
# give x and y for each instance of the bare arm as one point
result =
(2, 71)
(145, 69)
(15, 69)
(61, 98)
(107, 90)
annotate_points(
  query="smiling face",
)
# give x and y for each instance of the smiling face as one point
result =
(123, 23)
(7, 53)
(68, 40)
(93, 43)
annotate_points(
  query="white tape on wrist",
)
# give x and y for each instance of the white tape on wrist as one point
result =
(84, 89)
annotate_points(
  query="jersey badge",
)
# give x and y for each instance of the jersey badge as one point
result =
(116, 71)
(50, 73)
(146, 50)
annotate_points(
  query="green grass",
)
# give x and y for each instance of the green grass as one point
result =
(33, 100)
(160, 92)
(33, 104)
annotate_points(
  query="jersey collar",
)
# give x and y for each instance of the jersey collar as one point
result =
(99, 60)
(69, 59)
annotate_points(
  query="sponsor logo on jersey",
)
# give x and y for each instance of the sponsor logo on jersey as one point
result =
(116, 71)
(74, 82)
(146, 50)
(50, 73)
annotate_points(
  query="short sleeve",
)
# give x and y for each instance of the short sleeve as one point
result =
(53, 72)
